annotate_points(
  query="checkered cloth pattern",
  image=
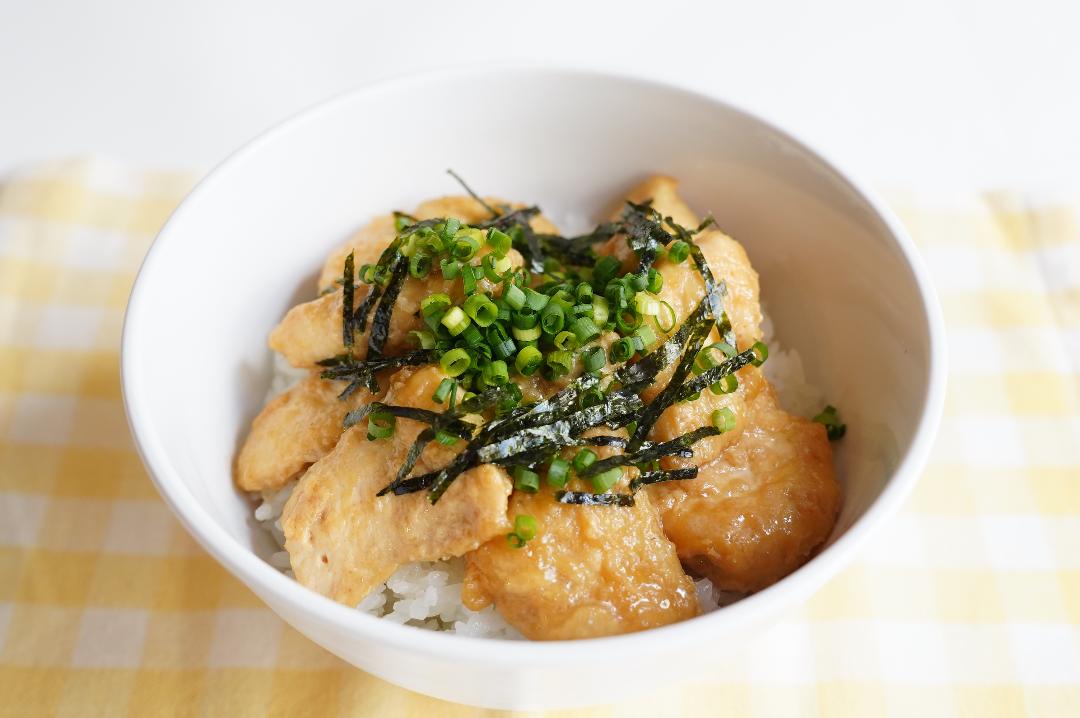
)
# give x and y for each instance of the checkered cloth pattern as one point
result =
(967, 603)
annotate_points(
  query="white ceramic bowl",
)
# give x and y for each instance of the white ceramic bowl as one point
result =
(842, 281)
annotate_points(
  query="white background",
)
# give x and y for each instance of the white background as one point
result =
(907, 92)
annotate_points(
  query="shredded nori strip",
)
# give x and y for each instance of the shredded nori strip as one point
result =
(715, 374)
(584, 498)
(655, 477)
(668, 396)
(347, 288)
(359, 372)
(678, 446)
(478, 198)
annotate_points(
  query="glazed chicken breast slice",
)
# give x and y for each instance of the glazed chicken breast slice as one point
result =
(343, 540)
(589, 571)
(759, 510)
(312, 331)
(292, 432)
(766, 494)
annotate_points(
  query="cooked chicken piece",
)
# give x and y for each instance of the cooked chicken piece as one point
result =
(769, 495)
(757, 512)
(312, 331)
(343, 540)
(589, 571)
(293, 431)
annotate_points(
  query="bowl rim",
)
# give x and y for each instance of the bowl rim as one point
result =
(264, 579)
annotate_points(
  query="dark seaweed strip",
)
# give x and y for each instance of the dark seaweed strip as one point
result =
(715, 290)
(417, 448)
(461, 429)
(347, 289)
(563, 432)
(584, 498)
(391, 253)
(527, 445)
(577, 251)
(380, 325)
(360, 373)
(670, 392)
(472, 194)
(643, 372)
(655, 477)
(677, 446)
(617, 442)
(644, 234)
(715, 374)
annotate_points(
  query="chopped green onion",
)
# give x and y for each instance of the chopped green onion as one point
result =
(761, 353)
(656, 281)
(638, 282)
(834, 429)
(423, 338)
(525, 528)
(504, 310)
(481, 309)
(513, 296)
(472, 336)
(435, 304)
(678, 251)
(594, 358)
(449, 229)
(584, 459)
(582, 310)
(502, 346)
(627, 321)
(585, 330)
(526, 335)
(491, 267)
(592, 397)
(600, 310)
(566, 340)
(646, 305)
(468, 279)
(535, 299)
(451, 268)
(605, 268)
(455, 321)
(496, 373)
(526, 480)
(726, 385)
(552, 319)
(445, 438)
(646, 334)
(583, 293)
(558, 473)
(499, 242)
(560, 362)
(380, 425)
(622, 350)
(420, 265)
(603, 482)
(455, 362)
(665, 320)
(465, 245)
(616, 295)
(528, 360)
(724, 419)
(443, 391)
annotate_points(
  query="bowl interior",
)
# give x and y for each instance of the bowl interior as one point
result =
(246, 244)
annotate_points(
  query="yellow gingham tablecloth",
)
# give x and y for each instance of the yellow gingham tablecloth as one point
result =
(968, 603)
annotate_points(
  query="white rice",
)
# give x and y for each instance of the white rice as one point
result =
(427, 594)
